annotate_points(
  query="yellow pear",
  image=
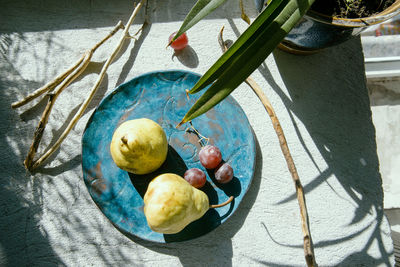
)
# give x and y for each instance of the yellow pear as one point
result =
(171, 203)
(139, 146)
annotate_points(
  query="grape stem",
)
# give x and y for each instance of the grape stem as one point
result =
(222, 204)
(307, 241)
(199, 135)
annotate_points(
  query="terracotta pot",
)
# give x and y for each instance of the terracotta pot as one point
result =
(317, 31)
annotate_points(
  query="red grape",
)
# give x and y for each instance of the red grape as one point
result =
(224, 173)
(195, 177)
(180, 43)
(210, 156)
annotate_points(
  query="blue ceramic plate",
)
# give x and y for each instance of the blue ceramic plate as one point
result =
(161, 96)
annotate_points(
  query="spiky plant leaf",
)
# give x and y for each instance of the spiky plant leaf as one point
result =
(201, 9)
(247, 53)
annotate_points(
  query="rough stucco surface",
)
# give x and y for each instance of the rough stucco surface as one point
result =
(48, 218)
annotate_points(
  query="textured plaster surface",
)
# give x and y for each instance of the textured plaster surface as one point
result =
(385, 105)
(48, 218)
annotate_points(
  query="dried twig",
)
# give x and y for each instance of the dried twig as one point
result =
(84, 105)
(56, 81)
(47, 87)
(46, 113)
(78, 69)
(243, 13)
(308, 245)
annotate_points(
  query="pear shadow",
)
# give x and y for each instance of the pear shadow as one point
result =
(208, 222)
(209, 190)
(202, 226)
(211, 219)
(173, 164)
(219, 245)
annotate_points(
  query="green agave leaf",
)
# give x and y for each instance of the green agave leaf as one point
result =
(247, 53)
(237, 48)
(201, 9)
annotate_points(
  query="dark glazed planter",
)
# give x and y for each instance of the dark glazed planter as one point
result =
(317, 31)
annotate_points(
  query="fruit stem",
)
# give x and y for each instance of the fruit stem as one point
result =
(222, 204)
(124, 140)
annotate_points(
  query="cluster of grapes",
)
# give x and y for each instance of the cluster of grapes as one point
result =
(211, 158)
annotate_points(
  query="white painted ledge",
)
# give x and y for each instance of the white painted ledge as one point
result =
(382, 67)
(321, 100)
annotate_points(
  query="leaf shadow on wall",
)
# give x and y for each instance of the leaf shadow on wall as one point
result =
(338, 119)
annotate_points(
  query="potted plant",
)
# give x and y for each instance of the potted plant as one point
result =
(272, 28)
(329, 23)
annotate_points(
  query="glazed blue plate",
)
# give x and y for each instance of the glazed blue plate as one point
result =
(161, 96)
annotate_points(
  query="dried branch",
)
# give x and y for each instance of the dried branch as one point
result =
(47, 87)
(243, 13)
(46, 113)
(84, 62)
(56, 81)
(308, 245)
(85, 104)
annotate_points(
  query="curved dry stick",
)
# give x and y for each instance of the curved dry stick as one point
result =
(307, 241)
(308, 245)
(84, 105)
(243, 13)
(53, 84)
(47, 87)
(46, 113)
(28, 162)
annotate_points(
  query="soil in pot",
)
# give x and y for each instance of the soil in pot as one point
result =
(351, 8)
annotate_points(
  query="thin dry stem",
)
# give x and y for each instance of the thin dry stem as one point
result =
(39, 133)
(28, 162)
(85, 104)
(139, 30)
(47, 87)
(199, 135)
(243, 13)
(308, 246)
(46, 113)
(222, 204)
(307, 241)
(187, 94)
